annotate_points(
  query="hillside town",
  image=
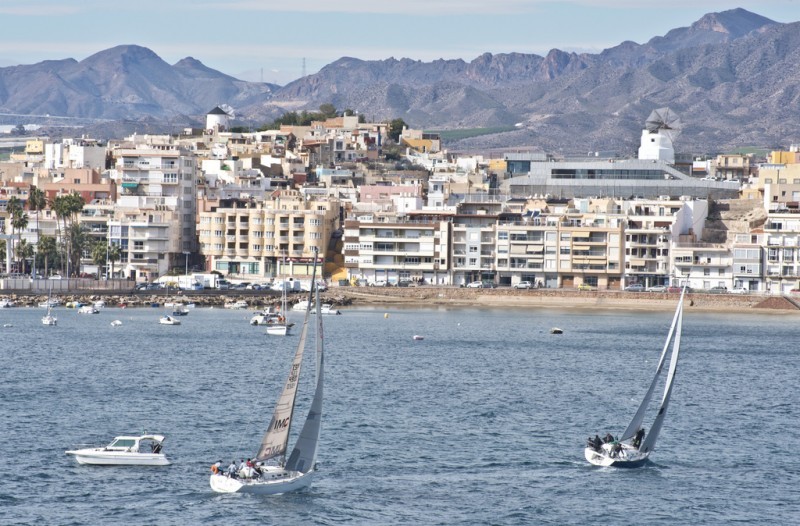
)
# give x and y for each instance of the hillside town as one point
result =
(253, 207)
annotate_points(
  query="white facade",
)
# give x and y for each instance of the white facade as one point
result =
(656, 146)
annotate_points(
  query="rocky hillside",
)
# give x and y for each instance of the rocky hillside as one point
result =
(733, 78)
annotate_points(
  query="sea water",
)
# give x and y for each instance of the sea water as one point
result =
(481, 422)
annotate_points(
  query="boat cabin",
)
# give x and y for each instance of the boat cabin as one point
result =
(151, 443)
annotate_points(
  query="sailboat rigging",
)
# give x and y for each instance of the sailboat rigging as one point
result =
(279, 325)
(275, 472)
(634, 446)
(49, 318)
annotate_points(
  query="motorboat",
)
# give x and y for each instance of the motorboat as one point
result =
(54, 302)
(238, 305)
(144, 450)
(556, 330)
(6, 303)
(116, 323)
(88, 309)
(418, 337)
(169, 320)
(325, 308)
(99, 304)
(179, 309)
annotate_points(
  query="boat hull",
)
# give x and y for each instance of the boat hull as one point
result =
(273, 482)
(629, 458)
(277, 330)
(118, 458)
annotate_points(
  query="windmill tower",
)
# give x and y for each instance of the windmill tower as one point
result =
(661, 128)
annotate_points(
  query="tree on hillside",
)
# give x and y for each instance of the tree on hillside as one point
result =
(396, 128)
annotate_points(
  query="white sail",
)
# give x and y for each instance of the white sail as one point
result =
(650, 440)
(304, 454)
(636, 422)
(277, 436)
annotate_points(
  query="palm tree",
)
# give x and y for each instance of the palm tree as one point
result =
(113, 256)
(36, 203)
(47, 246)
(59, 206)
(76, 241)
(19, 219)
(66, 207)
(99, 250)
(24, 252)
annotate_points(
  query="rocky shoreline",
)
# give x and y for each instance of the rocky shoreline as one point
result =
(436, 296)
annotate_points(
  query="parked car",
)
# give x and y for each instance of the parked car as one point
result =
(740, 290)
(657, 288)
(585, 286)
(475, 285)
(635, 287)
(489, 285)
(379, 283)
(524, 285)
(718, 290)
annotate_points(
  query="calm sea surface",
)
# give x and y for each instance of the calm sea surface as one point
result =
(482, 422)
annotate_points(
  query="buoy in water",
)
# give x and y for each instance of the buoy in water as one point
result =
(385, 314)
(418, 337)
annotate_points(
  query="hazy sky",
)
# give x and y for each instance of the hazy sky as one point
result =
(271, 41)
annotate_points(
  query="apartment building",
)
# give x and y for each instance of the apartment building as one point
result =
(252, 241)
(391, 249)
(156, 175)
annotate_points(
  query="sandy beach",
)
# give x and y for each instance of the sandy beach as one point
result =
(461, 297)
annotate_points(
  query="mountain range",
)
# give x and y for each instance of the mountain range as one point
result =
(733, 77)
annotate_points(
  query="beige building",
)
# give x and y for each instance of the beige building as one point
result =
(252, 242)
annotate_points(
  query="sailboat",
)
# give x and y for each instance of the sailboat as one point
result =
(278, 325)
(49, 318)
(634, 446)
(279, 473)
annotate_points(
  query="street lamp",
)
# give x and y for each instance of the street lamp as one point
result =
(186, 253)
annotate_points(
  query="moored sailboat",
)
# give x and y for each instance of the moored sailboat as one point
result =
(634, 446)
(50, 318)
(276, 472)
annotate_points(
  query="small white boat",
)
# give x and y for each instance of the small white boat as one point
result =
(100, 304)
(142, 450)
(418, 337)
(241, 304)
(556, 330)
(88, 309)
(168, 320)
(116, 323)
(50, 303)
(6, 303)
(325, 308)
